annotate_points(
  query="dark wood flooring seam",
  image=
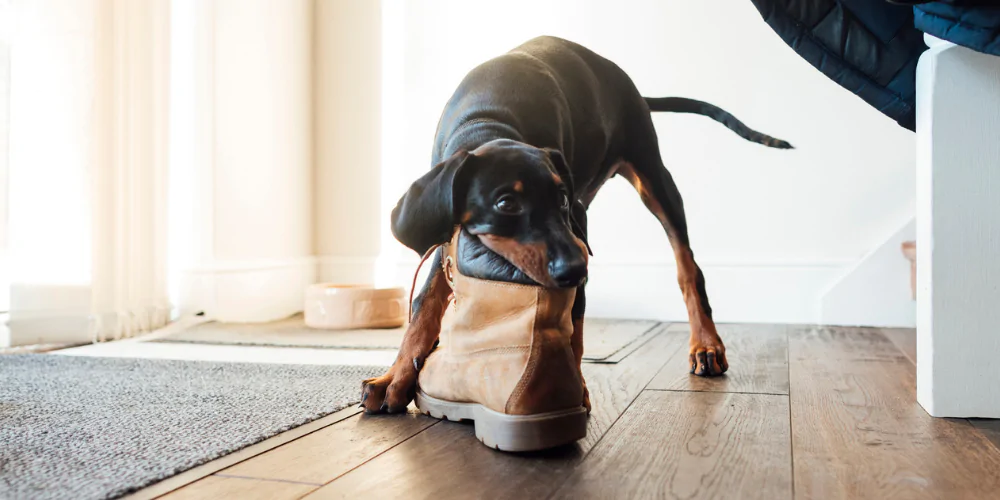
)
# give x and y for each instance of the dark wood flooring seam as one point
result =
(628, 346)
(972, 423)
(624, 410)
(348, 471)
(791, 433)
(633, 346)
(335, 422)
(985, 427)
(717, 392)
(289, 481)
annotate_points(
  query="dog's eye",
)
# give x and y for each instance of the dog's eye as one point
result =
(564, 202)
(508, 205)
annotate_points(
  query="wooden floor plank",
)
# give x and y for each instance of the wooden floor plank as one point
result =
(446, 460)
(316, 458)
(905, 339)
(691, 445)
(858, 432)
(614, 387)
(605, 339)
(758, 362)
(627, 349)
(989, 428)
(215, 487)
(193, 475)
(328, 453)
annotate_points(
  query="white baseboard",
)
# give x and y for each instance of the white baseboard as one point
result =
(49, 329)
(247, 291)
(745, 292)
(48, 314)
(771, 292)
(876, 290)
(64, 314)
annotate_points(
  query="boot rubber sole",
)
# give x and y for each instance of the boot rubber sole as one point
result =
(511, 432)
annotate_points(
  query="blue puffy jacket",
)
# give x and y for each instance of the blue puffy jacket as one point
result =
(871, 47)
(974, 24)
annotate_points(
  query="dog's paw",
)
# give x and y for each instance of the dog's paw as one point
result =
(391, 392)
(708, 358)
(586, 397)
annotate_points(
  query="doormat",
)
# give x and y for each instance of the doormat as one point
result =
(93, 428)
(602, 338)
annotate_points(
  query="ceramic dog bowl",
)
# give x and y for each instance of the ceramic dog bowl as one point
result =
(341, 307)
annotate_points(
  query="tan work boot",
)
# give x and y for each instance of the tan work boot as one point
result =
(505, 361)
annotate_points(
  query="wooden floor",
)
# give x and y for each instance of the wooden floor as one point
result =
(803, 413)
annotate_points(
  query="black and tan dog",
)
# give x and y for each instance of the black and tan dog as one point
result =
(522, 148)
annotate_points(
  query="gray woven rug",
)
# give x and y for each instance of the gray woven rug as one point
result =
(81, 427)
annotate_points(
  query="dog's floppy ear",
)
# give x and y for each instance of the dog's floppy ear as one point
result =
(427, 214)
(577, 211)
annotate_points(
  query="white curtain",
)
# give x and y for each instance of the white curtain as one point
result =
(109, 235)
(5, 26)
(87, 163)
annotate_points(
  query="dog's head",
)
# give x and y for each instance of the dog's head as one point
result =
(515, 200)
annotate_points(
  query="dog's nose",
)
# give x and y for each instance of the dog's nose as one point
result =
(568, 273)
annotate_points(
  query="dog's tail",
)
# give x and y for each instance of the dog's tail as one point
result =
(683, 105)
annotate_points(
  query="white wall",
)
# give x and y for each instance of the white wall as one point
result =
(263, 129)
(276, 143)
(772, 229)
(348, 154)
(873, 292)
(279, 148)
(243, 204)
(55, 73)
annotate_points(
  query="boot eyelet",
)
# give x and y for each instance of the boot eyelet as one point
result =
(448, 271)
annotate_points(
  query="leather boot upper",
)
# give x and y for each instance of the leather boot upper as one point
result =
(504, 345)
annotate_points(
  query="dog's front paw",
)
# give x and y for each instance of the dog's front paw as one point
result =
(391, 392)
(708, 356)
(586, 396)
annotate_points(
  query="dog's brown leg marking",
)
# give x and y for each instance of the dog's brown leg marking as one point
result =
(577, 343)
(531, 258)
(707, 355)
(393, 391)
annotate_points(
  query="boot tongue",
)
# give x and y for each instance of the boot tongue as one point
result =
(477, 261)
(481, 303)
(466, 256)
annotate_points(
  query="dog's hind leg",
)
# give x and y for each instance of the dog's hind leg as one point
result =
(643, 168)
